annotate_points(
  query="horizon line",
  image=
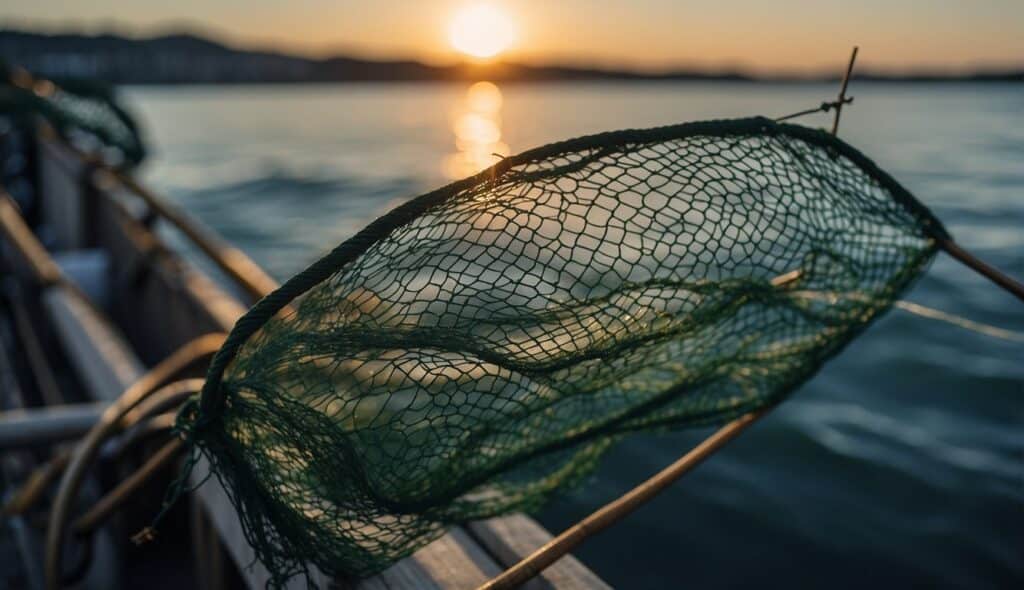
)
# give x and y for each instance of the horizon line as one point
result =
(204, 32)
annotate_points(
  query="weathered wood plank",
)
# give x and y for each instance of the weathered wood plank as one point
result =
(224, 518)
(101, 357)
(62, 210)
(453, 562)
(511, 538)
(162, 301)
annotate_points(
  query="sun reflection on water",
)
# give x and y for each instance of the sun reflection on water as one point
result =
(477, 127)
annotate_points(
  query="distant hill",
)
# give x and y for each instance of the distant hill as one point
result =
(189, 59)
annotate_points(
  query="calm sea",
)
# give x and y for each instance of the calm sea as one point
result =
(901, 463)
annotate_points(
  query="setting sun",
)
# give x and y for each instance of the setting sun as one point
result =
(481, 30)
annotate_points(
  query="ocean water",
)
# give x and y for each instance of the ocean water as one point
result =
(900, 463)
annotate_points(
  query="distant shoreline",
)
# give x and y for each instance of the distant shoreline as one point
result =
(572, 82)
(187, 59)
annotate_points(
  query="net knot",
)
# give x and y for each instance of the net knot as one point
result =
(146, 535)
(834, 104)
(189, 420)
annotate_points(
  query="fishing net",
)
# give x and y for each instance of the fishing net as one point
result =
(81, 111)
(477, 349)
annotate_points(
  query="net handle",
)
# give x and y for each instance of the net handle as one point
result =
(981, 267)
(613, 512)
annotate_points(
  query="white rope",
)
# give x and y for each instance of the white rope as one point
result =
(910, 307)
(962, 322)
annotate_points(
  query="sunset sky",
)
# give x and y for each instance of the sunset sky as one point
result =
(765, 36)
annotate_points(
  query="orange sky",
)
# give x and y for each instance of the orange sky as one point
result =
(778, 35)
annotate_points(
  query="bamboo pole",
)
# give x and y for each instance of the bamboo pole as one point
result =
(615, 511)
(947, 245)
(44, 270)
(102, 510)
(981, 267)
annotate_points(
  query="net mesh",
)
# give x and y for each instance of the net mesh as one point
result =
(478, 349)
(82, 111)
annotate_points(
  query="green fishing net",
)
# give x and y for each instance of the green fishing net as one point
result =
(78, 110)
(477, 349)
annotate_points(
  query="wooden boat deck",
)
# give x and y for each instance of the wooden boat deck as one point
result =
(154, 302)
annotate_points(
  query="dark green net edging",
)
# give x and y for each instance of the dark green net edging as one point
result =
(478, 348)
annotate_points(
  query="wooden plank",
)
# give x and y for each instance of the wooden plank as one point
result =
(15, 466)
(453, 562)
(222, 514)
(60, 175)
(162, 301)
(511, 538)
(98, 352)
(100, 355)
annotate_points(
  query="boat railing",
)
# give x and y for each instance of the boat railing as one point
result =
(86, 197)
(230, 260)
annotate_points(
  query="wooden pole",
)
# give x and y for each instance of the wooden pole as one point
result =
(842, 92)
(34, 256)
(102, 510)
(981, 267)
(230, 259)
(616, 510)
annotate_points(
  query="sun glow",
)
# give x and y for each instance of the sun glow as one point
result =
(476, 123)
(481, 30)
